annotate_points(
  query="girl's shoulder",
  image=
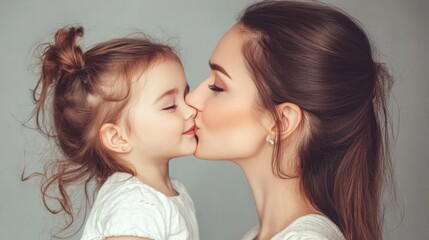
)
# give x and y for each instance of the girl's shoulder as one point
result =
(125, 206)
(179, 187)
(124, 193)
(124, 186)
(127, 190)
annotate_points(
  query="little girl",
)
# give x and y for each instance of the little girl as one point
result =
(118, 116)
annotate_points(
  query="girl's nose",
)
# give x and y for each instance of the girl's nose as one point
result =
(190, 112)
(195, 98)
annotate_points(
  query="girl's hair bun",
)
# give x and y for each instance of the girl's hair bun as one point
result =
(68, 53)
(64, 55)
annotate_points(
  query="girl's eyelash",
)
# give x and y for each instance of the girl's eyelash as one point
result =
(170, 107)
(215, 88)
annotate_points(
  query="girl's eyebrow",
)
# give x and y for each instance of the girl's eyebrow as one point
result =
(167, 93)
(219, 68)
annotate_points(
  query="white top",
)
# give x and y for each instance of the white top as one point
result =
(312, 226)
(125, 206)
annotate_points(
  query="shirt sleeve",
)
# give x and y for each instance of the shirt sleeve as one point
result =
(136, 213)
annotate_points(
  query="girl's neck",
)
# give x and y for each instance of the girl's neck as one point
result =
(157, 176)
(278, 201)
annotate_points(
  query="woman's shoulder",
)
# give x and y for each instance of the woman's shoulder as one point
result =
(311, 226)
(308, 227)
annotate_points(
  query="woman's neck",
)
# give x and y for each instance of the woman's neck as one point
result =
(278, 201)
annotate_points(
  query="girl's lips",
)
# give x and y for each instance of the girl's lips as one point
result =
(191, 131)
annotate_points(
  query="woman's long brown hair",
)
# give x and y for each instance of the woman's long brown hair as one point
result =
(319, 58)
(77, 93)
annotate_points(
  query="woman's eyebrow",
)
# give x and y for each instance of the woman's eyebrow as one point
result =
(219, 68)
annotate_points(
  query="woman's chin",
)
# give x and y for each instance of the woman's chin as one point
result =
(205, 155)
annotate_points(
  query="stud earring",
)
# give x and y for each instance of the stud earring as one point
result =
(271, 142)
(124, 147)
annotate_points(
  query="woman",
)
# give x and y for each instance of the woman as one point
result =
(295, 98)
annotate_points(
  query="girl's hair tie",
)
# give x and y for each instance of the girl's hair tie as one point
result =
(83, 75)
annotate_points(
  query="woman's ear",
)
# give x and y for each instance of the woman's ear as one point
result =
(112, 139)
(290, 118)
(268, 122)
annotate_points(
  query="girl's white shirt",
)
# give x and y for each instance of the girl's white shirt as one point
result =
(308, 227)
(125, 206)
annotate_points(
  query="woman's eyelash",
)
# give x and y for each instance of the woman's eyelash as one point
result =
(170, 107)
(215, 88)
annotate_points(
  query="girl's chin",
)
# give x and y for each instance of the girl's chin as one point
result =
(191, 148)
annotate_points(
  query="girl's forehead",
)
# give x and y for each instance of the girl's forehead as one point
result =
(161, 77)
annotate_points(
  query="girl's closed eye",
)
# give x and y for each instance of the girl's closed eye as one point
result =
(170, 107)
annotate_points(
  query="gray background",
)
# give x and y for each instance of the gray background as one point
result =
(223, 199)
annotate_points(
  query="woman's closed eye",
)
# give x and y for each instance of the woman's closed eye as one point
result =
(215, 88)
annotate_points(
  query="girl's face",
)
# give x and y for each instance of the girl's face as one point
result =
(229, 124)
(161, 123)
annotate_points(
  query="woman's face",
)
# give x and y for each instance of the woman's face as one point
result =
(228, 121)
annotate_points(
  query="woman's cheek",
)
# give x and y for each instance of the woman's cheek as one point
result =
(231, 127)
(220, 114)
